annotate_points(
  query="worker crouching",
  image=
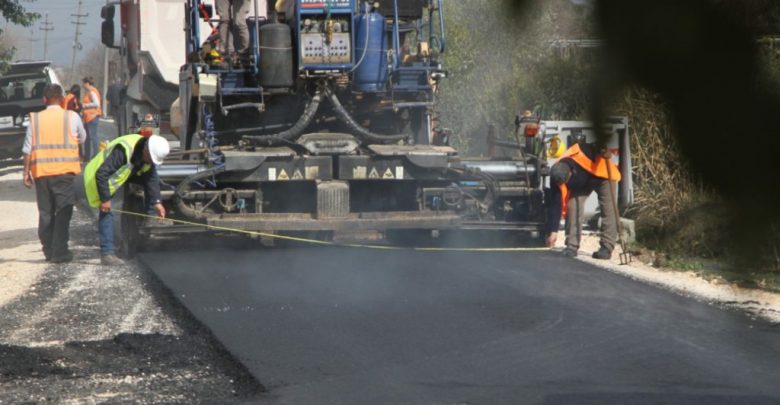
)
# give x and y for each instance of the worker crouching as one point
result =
(580, 171)
(128, 158)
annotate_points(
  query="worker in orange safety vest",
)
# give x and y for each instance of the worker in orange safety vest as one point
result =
(90, 113)
(52, 161)
(72, 99)
(581, 170)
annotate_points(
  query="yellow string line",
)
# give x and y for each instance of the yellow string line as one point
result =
(339, 244)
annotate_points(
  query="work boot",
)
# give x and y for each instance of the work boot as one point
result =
(603, 254)
(569, 252)
(67, 257)
(111, 260)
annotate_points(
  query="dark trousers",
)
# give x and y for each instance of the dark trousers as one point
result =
(55, 198)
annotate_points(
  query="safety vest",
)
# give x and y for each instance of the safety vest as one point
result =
(54, 147)
(118, 178)
(597, 168)
(68, 100)
(91, 113)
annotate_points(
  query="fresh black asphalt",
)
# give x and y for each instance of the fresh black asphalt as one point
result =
(338, 325)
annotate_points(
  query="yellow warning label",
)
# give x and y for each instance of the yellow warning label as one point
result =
(297, 175)
(283, 175)
(312, 172)
(373, 174)
(388, 174)
(359, 172)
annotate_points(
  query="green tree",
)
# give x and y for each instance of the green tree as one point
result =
(14, 13)
(501, 63)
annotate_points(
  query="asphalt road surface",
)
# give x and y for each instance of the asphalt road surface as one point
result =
(334, 325)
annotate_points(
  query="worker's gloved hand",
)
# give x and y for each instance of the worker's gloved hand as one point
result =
(160, 210)
(606, 153)
(551, 239)
(105, 206)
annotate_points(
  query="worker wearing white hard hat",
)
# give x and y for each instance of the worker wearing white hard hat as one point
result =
(109, 170)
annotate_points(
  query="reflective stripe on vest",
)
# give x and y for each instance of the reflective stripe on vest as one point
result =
(54, 149)
(118, 178)
(91, 113)
(597, 168)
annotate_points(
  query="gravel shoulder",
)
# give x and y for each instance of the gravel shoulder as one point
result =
(755, 302)
(84, 333)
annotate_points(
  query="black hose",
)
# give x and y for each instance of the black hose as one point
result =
(184, 186)
(291, 133)
(362, 133)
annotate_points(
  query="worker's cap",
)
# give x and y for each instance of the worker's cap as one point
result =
(158, 148)
(559, 173)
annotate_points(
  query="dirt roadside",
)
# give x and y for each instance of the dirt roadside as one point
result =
(755, 302)
(84, 333)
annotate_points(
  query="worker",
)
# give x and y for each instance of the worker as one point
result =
(105, 174)
(113, 97)
(580, 171)
(232, 27)
(91, 112)
(72, 99)
(51, 161)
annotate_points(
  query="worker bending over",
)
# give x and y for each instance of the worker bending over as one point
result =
(51, 160)
(128, 158)
(580, 171)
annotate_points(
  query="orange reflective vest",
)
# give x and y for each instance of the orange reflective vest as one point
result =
(90, 114)
(601, 168)
(54, 147)
(67, 101)
(597, 168)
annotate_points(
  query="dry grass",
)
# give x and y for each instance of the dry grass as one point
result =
(674, 210)
(664, 185)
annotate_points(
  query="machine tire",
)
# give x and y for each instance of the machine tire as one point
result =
(128, 240)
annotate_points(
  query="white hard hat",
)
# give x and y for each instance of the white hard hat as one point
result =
(158, 148)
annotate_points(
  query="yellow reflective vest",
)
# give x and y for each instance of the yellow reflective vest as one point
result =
(119, 177)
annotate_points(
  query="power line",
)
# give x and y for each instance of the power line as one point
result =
(32, 40)
(46, 26)
(76, 43)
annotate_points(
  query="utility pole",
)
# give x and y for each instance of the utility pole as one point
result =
(46, 26)
(32, 40)
(76, 43)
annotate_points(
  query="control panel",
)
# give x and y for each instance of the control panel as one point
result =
(315, 50)
(326, 35)
(325, 4)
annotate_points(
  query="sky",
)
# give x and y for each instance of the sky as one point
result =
(60, 42)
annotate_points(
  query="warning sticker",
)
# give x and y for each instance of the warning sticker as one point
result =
(297, 175)
(283, 175)
(312, 172)
(272, 173)
(388, 174)
(359, 172)
(373, 174)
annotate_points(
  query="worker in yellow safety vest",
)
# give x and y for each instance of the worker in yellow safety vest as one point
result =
(51, 161)
(127, 158)
(581, 170)
(91, 112)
